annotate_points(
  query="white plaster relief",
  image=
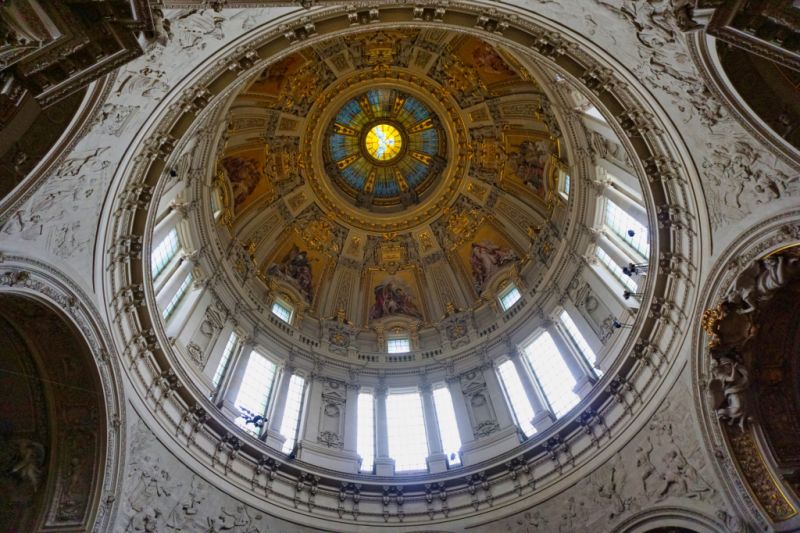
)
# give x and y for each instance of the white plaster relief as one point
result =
(161, 494)
(61, 218)
(663, 465)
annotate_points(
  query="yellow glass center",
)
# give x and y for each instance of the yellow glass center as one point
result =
(383, 142)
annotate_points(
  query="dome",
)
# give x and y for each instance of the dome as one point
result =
(383, 149)
(440, 266)
(402, 212)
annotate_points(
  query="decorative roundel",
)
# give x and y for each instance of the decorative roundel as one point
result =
(384, 149)
(383, 142)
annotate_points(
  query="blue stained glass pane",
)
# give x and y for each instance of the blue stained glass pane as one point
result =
(417, 110)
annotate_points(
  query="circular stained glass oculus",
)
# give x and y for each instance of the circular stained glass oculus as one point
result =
(383, 142)
(384, 149)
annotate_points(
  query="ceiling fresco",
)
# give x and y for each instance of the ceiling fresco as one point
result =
(385, 161)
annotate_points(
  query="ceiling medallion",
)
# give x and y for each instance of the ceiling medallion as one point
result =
(383, 142)
(384, 148)
(402, 186)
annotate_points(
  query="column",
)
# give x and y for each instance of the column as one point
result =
(605, 167)
(384, 465)
(437, 459)
(495, 391)
(584, 377)
(313, 409)
(460, 408)
(273, 433)
(543, 417)
(351, 418)
(230, 390)
(613, 251)
(173, 283)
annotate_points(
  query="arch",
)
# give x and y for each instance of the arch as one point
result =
(673, 520)
(61, 428)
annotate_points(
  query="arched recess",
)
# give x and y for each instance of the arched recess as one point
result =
(744, 371)
(60, 431)
(677, 520)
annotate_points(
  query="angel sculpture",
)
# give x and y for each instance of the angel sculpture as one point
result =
(729, 383)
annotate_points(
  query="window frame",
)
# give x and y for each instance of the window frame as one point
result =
(286, 306)
(395, 340)
(507, 290)
(407, 391)
(270, 396)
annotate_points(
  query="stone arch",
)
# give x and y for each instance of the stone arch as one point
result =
(60, 426)
(745, 336)
(674, 520)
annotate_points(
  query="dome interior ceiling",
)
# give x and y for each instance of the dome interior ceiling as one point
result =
(471, 126)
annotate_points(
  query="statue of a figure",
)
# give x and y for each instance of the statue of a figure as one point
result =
(759, 281)
(733, 378)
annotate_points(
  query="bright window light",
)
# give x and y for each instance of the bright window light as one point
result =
(615, 269)
(565, 185)
(176, 299)
(553, 374)
(282, 310)
(365, 432)
(398, 345)
(593, 112)
(291, 413)
(509, 296)
(408, 443)
(448, 429)
(233, 340)
(517, 399)
(255, 389)
(621, 223)
(164, 252)
(579, 340)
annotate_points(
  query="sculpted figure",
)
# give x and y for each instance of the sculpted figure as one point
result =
(759, 281)
(734, 380)
(28, 467)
